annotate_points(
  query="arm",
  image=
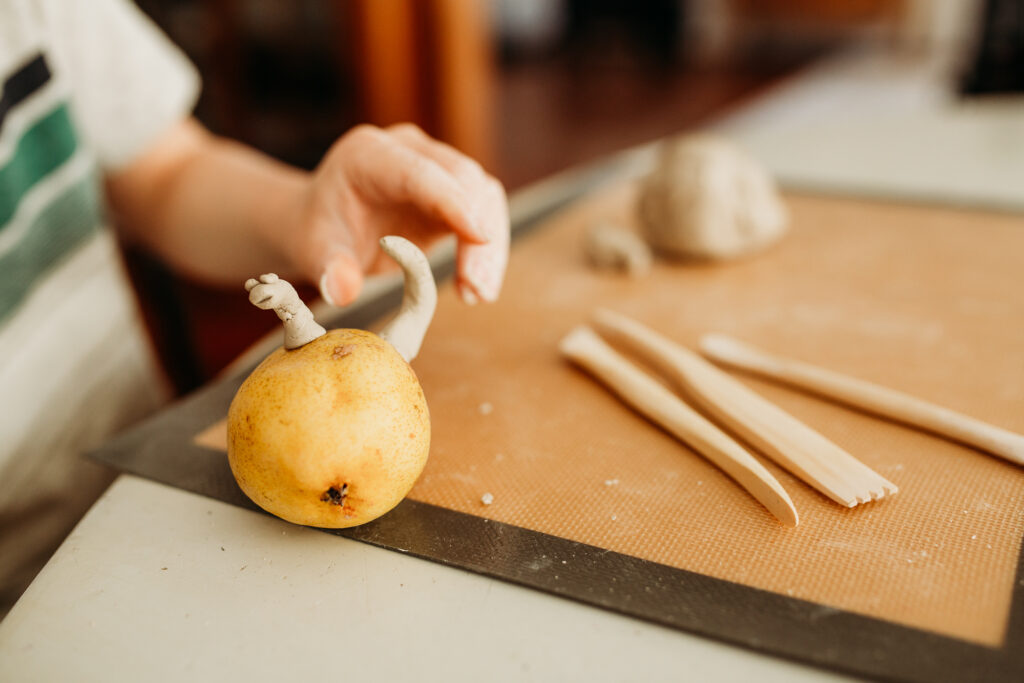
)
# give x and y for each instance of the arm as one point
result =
(221, 211)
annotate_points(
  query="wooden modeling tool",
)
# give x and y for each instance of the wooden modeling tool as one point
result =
(867, 396)
(774, 432)
(664, 408)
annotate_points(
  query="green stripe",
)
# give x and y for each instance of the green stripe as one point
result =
(63, 226)
(40, 150)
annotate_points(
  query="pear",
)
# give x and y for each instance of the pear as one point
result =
(332, 429)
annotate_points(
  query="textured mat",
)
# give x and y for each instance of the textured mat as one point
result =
(593, 502)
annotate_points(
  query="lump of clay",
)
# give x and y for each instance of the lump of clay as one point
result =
(707, 199)
(612, 247)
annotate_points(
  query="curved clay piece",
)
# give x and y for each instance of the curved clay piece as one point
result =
(608, 246)
(867, 396)
(406, 331)
(270, 291)
(664, 408)
(771, 430)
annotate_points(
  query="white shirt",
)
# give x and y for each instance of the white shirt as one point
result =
(88, 85)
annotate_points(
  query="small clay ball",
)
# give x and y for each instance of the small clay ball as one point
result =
(707, 199)
(611, 247)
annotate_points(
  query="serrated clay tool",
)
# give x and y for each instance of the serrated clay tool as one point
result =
(870, 397)
(771, 430)
(652, 400)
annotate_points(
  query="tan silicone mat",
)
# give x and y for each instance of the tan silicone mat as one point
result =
(926, 300)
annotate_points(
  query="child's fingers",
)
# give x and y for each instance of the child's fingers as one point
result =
(341, 279)
(464, 168)
(476, 183)
(407, 175)
(480, 268)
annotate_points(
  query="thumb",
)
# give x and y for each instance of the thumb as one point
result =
(342, 278)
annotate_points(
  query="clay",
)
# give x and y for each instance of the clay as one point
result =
(270, 291)
(707, 199)
(406, 331)
(612, 247)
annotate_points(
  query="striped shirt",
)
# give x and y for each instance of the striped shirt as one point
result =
(87, 86)
(50, 202)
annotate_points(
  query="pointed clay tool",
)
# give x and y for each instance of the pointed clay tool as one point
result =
(664, 408)
(774, 432)
(867, 396)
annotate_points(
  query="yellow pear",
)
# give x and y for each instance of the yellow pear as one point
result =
(332, 429)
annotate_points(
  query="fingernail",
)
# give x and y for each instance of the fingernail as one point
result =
(341, 282)
(324, 292)
(468, 296)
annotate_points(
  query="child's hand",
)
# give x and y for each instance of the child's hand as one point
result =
(398, 181)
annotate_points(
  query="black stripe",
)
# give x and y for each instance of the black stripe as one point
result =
(22, 83)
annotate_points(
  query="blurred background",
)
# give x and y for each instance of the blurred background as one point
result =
(528, 87)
